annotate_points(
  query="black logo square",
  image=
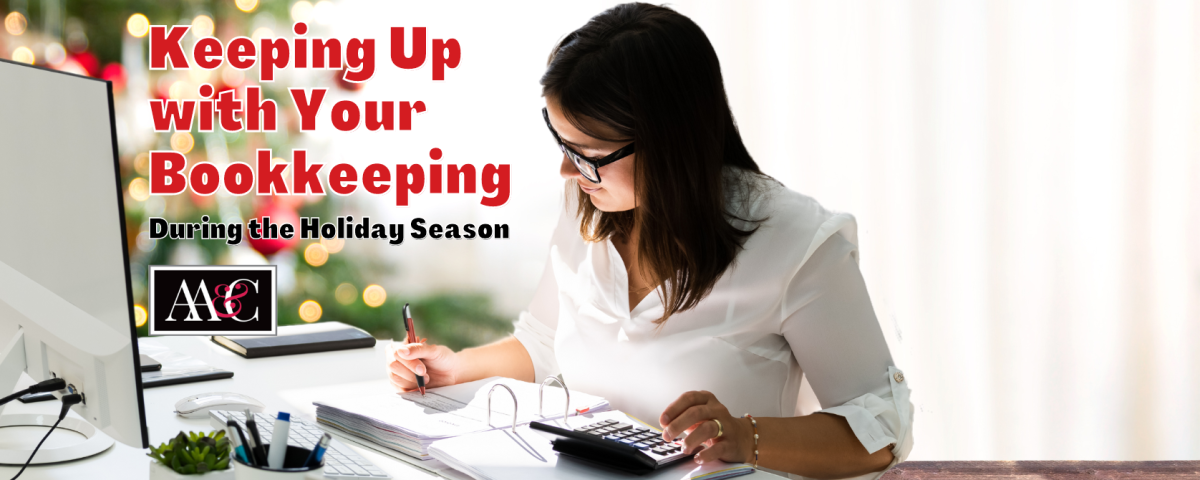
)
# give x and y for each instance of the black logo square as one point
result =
(212, 300)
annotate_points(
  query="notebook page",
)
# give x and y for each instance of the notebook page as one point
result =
(460, 409)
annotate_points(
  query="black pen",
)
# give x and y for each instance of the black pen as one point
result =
(252, 426)
(232, 424)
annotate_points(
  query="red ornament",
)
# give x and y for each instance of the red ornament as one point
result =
(89, 62)
(115, 73)
(279, 215)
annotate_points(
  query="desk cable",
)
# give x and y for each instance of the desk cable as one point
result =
(67, 401)
(51, 385)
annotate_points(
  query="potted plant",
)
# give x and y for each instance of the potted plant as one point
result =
(192, 456)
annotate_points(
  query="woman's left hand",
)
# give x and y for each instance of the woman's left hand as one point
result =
(694, 413)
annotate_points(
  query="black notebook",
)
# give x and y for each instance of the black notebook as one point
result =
(296, 339)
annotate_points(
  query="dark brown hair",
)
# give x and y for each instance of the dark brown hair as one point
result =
(651, 74)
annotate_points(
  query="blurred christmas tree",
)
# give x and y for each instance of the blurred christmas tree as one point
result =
(319, 280)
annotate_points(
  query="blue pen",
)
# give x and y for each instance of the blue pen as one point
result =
(236, 441)
(318, 451)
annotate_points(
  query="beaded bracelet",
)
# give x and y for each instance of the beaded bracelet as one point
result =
(754, 424)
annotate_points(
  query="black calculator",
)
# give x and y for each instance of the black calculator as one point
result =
(615, 444)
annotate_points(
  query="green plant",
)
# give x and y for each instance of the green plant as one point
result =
(194, 453)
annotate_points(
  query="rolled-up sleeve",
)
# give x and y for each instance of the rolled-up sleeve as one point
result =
(833, 332)
(881, 420)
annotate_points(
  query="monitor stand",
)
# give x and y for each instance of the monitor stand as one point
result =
(20, 433)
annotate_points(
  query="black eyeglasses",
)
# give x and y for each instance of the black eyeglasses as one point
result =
(588, 167)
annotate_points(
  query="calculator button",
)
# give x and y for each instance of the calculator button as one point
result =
(582, 429)
(612, 437)
(622, 426)
(608, 422)
(641, 446)
(626, 441)
(640, 429)
(654, 442)
(659, 451)
(595, 432)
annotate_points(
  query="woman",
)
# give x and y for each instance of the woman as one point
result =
(684, 285)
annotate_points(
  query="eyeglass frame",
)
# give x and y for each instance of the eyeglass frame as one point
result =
(576, 157)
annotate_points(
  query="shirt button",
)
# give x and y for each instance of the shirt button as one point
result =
(899, 377)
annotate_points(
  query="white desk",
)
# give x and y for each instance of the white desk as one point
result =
(289, 383)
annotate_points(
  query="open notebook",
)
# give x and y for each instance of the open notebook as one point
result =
(408, 422)
(526, 454)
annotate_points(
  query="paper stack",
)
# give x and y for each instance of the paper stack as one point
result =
(409, 422)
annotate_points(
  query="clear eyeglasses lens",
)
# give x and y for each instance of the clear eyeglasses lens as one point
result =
(584, 167)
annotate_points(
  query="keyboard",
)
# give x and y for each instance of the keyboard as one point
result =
(341, 462)
(641, 438)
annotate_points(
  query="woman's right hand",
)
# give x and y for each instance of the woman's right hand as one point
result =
(439, 365)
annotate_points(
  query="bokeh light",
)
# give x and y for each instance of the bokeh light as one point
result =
(178, 89)
(310, 311)
(302, 11)
(202, 26)
(23, 55)
(55, 53)
(182, 142)
(261, 33)
(141, 164)
(334, 245)
(199, 75)
(374, 295)
(138, 25)
(316, 254)
(139, 189)
(246, 5)
(139, 315)
(144, 242)
(15, 23)
(345, 294)
(77, 39)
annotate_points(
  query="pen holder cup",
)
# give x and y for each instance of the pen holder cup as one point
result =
(293, 467)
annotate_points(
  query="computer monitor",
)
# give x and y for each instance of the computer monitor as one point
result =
(66, 301)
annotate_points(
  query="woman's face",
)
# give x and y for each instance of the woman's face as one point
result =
(614, 193)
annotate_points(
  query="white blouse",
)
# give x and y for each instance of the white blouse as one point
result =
(792, 306)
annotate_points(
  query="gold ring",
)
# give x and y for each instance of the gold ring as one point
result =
(720, 431)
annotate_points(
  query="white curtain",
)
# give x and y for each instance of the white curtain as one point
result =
(1026, 175)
